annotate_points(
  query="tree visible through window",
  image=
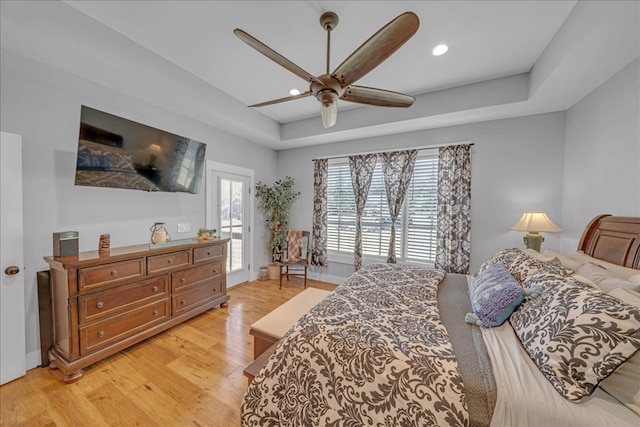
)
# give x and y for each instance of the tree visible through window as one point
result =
(416, 224)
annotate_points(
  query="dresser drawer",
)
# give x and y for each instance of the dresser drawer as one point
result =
(108, 274)
(159, 263)
(208, 253)
(114, 329)
(184, 278)
(122, 298)
(196, 296)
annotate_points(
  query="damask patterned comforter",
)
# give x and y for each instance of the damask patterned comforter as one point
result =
(372, 353)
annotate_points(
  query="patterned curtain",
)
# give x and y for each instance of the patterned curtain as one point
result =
(397, 168)
(319, 233)
(454, 209)
(361, 173)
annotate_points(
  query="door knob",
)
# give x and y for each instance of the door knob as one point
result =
(12, 270)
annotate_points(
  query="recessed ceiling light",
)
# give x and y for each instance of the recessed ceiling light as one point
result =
(441, 49)
(294, 92)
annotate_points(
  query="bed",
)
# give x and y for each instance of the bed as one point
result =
(408, 345)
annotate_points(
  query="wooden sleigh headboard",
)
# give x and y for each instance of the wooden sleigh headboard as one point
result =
(614, 239)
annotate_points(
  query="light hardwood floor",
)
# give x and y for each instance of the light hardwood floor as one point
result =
(188, 375)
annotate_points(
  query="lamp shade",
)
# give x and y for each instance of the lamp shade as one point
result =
(536, 222)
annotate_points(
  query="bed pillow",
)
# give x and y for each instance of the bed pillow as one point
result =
(620, 271)
(624, 383)
(635, 278)
(542, 257)
(605, 279)
(577, 336)
(494, 295)
(568, 262)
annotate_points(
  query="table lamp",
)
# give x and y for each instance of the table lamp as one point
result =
(534, 223)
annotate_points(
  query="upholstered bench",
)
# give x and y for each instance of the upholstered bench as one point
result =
(274, 325)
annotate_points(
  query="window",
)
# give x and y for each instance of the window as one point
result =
(415, 226)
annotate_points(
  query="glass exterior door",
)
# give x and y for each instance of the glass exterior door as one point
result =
(231, 220)
(233, 223)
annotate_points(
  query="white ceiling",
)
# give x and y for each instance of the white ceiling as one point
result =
(506, 58)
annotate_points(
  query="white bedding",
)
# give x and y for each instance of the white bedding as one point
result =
(526, 398)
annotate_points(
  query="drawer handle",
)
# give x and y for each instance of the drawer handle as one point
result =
(114, 273)
(209, 253)
(170, 260)
(154, 289)
(100, 304)
(155, 312)
(184, 301)
(100, 334)
(183, 280)
(215, 270)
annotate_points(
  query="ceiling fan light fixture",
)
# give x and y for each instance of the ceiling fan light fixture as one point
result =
(329, 109)
(339, 84)
(441, 49)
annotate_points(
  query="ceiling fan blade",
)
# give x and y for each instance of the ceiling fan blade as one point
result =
(377, 48)
(273, 55)
(379, 97)
(279, 100)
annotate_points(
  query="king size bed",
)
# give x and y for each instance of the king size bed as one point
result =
(531, 340)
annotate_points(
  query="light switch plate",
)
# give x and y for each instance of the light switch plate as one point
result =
(183, 227)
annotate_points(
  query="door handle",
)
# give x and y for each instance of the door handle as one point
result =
(12, 270)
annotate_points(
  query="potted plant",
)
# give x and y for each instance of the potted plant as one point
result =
(275, 201)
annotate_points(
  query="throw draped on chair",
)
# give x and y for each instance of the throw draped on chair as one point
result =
(296, 255)
(294, 245)
(453, 251)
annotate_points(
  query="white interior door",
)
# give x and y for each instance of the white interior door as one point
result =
(229, 210)
(12, 311)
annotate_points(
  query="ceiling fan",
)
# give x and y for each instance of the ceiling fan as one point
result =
(328, 88)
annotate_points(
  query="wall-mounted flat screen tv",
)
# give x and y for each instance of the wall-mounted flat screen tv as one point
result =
(119, 153)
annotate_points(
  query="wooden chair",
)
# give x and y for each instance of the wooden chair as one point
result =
(297, 268)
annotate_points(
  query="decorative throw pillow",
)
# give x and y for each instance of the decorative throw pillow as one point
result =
(116, 158)
(504, 257)
(577, 336)
(89, 162)
(524, 266)
(494, 295)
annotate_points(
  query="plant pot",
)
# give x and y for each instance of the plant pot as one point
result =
(274, 271)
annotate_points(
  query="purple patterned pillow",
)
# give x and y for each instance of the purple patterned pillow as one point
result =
(494, 295)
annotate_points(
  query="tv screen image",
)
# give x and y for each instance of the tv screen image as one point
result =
(119, 153)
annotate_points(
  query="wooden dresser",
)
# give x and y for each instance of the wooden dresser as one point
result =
(104, 303)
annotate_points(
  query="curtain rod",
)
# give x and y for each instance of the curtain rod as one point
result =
(423, 147)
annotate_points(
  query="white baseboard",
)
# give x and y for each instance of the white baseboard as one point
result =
(33, 359)
(326, 278)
